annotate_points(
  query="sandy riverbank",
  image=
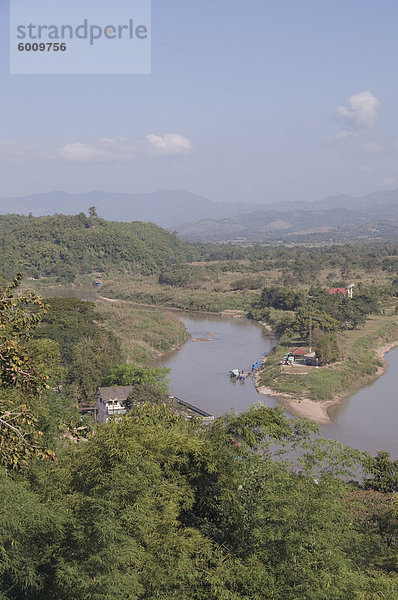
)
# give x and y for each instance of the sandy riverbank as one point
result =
(318, 411)
(302, 407)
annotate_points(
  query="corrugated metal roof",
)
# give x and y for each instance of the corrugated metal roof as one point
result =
(299, 351)
(115, 392)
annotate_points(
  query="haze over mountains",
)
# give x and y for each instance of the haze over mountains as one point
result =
(166, 208)
(196, 218)
(340, 218)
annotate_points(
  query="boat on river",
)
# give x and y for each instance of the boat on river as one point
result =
(236, 374)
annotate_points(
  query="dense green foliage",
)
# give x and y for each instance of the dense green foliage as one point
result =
(127, 374)
(88, 351)
(317, 308)
(18, 319)
(327, 348)
(154, 506)
(92, 359)
(282, 298)
(25, 375)
(382, 473)
(349, 312)
(301, 263)
(157, 507)
(64, 246)
(145, 392)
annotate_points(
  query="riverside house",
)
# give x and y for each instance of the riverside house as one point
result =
(110, 401)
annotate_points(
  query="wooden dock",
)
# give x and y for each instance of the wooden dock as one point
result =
(207, 418)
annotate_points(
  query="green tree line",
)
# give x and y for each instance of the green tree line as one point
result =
(65, 246)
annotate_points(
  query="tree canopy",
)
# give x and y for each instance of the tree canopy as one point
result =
(128, 374)
(157, 506)
(64, 246)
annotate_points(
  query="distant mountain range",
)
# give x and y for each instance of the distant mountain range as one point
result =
(196, 218)
(340, 218)
(168, 209)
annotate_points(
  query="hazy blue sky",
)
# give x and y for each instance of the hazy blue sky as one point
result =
(248, 100)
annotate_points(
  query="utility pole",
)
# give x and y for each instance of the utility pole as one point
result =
(310, 336)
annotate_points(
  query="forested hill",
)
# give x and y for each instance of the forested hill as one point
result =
(370, 218)
(64, 246)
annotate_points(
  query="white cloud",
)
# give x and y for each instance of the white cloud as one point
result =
(107, 150)
(361, 110)
(388, 182)
(366, 168)
(103, 150)
(170, 144)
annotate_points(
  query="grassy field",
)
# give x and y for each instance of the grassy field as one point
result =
(211, 296)
(358, 366)
(217, 286)
(143, 334)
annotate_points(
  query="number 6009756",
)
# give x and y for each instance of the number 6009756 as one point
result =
(42, 47)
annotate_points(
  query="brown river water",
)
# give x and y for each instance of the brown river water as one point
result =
(199, 375)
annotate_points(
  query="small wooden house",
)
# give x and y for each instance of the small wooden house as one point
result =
(110, 401)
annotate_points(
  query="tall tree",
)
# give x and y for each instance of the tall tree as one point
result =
(21, 379)
(128, 374)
